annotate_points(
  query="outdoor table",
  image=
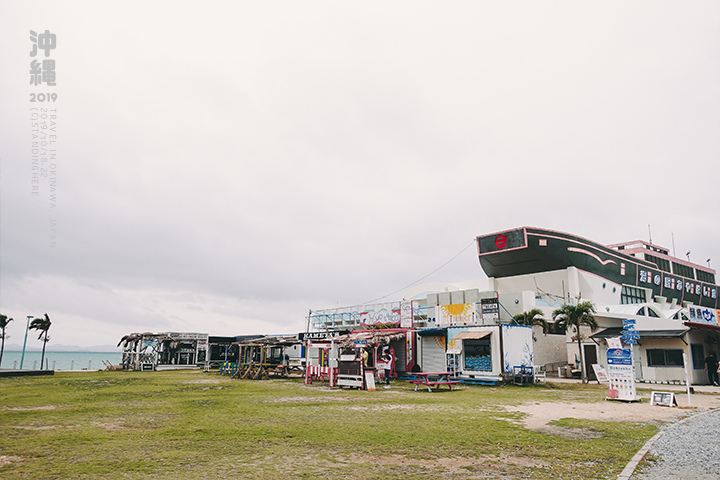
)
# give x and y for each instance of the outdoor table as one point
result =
(432, 379)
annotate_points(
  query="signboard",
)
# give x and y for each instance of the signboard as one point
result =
(501, 241)
(629, 334)
(302, 336)
(619, 356)
(406, 314)
(360, 343)
(490, 308)
(370, 381)
(600, 373)
(614, 343)
(703, 315)
(665, 399)
(621, 375)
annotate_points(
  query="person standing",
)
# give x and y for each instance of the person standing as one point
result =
(711, 366)
(387, 361)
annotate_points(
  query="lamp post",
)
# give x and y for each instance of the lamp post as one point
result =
(27, 327)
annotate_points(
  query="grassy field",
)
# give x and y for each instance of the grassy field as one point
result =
(190, 424)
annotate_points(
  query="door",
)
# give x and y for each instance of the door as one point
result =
(590, 352)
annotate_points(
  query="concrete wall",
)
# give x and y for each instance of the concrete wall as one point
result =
(549, 348)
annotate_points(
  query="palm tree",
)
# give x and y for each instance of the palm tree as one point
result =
(4, 320)
(533, 317)
(576, 316)
(42, 325)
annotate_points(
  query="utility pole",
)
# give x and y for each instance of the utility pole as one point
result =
(27, 327)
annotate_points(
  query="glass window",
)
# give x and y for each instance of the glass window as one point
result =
(662, 264)
(683, 270)
(477, 355)
(705, 276)
(664, 357)
(630, 295)
(697, 351)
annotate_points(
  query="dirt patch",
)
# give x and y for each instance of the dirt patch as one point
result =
(309, 399)
(112, 427)
(540, 414)
(485, 463)
(6, 459)
(29, 409)
(45, 427)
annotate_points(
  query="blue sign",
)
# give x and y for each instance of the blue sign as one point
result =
(628, 322)
(631, 336)
(619, 356)
(630, 341)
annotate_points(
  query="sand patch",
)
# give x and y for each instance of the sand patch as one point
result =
(540, 414)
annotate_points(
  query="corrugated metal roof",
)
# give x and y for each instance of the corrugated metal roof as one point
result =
(617, 332)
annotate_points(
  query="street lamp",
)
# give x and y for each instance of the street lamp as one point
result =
(27, 327)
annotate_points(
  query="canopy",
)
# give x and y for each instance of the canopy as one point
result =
(471, 335)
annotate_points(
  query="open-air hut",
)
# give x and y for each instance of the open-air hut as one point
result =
(265, 357)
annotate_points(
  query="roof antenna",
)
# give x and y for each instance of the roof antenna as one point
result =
(649, 233)
(672, 235)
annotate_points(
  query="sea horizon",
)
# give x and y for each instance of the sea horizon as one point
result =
(56, 360)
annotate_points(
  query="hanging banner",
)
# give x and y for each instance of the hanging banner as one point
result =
(409, 350)
(621, 375)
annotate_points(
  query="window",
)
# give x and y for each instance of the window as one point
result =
(662, 357)
(698, 356)
(705, 276)
(683, 270)
(662, 264)
(477, 355)
(632, 295)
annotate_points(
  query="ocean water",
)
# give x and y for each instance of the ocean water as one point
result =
(60, 360)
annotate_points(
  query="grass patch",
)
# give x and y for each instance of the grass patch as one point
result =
(190, 424)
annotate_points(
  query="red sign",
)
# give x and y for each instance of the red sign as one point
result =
(500, 241)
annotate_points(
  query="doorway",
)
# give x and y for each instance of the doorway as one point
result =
(590, 353)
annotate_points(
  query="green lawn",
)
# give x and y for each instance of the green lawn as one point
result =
(190, 424)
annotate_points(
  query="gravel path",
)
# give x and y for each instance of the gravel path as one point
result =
(689, 449)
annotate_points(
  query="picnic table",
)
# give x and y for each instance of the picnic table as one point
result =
(433, 379)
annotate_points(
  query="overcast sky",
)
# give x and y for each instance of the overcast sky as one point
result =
(225, 166)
